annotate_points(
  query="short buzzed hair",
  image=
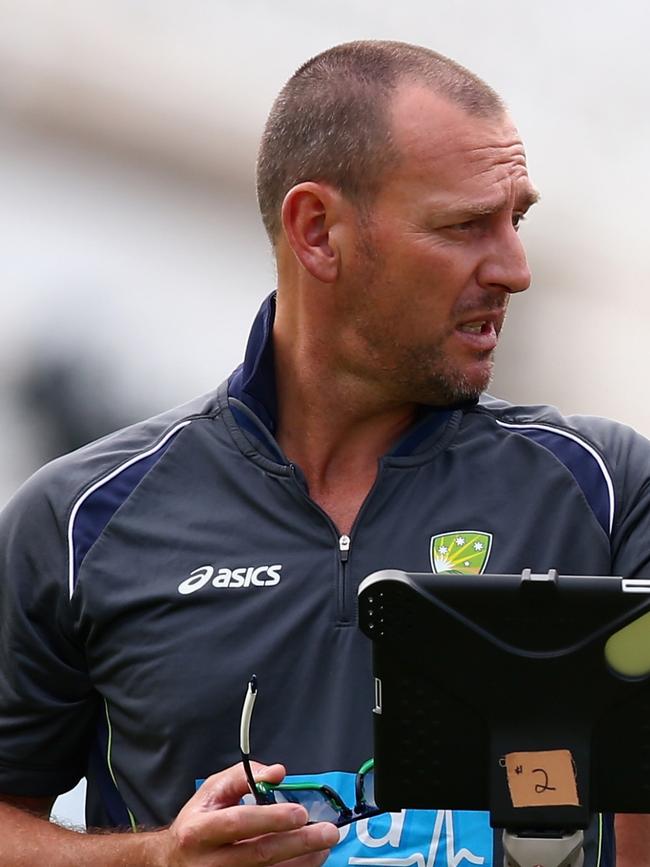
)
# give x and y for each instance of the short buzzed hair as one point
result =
(330, 122)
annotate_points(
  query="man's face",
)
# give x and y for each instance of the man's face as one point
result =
(439, 255)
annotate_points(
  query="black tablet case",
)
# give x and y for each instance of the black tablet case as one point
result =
(470, 668)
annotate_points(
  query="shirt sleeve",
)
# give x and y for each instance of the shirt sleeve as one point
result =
(47, 704)
(628, 454)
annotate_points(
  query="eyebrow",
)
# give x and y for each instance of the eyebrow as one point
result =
(479, 209)
(529, 198)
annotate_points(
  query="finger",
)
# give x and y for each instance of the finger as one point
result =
(230, 825)
(228, 787)
(273, 774)
(314, 859)
(268, 773)
(277, 848)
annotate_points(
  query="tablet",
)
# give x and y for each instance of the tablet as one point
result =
(525, 695)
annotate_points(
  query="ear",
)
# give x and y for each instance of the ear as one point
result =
(310, 212)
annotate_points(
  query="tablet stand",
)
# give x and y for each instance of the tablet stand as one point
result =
(524, 851)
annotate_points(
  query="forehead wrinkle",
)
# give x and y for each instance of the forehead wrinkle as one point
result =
(512, 147)
(494, 155)
(480, 160)
(490, 158)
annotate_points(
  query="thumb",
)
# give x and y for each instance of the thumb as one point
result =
(227, 788)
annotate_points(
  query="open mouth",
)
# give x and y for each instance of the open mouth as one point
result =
(484, 327)
(480, 334)
(481, 326)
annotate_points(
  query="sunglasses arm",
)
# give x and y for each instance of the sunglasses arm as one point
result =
(244, 737)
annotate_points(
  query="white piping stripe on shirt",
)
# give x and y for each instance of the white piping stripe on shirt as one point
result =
(585, 446)
(103, 481)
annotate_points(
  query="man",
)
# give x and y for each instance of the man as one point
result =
(147, 576)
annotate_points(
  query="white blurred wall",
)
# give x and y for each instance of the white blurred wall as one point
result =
(128, 230)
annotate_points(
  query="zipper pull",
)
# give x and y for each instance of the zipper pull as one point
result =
(344, 547)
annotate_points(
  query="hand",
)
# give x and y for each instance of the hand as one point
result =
(214, 830)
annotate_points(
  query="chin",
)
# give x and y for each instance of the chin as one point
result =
(478, 380)
(460, 386)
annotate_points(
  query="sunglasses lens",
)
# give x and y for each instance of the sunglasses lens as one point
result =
(319, 808)
(369, 789)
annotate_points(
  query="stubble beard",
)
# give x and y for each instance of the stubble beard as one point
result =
(426, 375)
(423, 374)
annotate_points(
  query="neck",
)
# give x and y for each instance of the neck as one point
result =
(330, 423)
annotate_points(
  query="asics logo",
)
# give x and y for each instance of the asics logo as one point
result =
(246, 576)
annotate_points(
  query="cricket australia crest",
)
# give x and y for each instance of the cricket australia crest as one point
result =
(460, 552)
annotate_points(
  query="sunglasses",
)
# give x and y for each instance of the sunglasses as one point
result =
(323, 804)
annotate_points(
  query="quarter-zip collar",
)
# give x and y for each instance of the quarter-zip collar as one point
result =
(253, 385)
(253, 382)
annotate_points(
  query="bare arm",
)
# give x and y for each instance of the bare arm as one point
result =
(632, 840)
(211, 829)
(30, 839)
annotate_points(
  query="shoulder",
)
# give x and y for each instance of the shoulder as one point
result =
(609, 460)
(51, 494)
(609, 438)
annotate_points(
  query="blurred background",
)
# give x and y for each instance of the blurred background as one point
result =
(132, 259)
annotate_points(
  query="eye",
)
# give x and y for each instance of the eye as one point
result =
(517, 220)
(463, 227)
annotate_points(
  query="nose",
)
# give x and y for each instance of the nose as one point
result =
(504, 266)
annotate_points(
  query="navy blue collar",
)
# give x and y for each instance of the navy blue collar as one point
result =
(253, 383)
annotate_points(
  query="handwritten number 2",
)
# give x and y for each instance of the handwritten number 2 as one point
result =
(542, 787)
